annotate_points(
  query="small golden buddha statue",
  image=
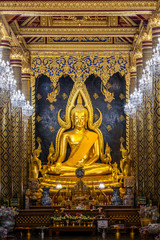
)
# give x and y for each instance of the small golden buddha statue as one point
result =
(84, 145)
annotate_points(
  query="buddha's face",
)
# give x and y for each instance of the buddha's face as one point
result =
(79, 120)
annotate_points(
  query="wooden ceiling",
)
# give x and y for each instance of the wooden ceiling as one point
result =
(82, 25)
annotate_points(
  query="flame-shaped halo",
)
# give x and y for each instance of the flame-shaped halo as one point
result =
(60, 121)
(99, 121)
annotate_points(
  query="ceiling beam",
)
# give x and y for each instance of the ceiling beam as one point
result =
(78, 8)
(78, 31)
(129, 21)
(28, 21)
(49, 49)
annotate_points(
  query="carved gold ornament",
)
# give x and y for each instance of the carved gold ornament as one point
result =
(109, 97)
(16, 53)
(146, 35)
(39, 118)
(122, 118)
(5, 35)
(71, 6)
(51, 97)
(39, 96)
(26, 66)
(154, 20)
(121, 96)
(64, 95)
(95, 95)
(51, 107)
(109, 128)
(122, 140)
(109, 106)
(51, 129)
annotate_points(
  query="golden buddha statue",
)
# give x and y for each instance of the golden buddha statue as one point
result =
(84, 144)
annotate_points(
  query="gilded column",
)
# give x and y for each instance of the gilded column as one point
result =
(26, 122)
(133, 126)
(5, 141)
(16, 121)
(16, 62)
(139, 123)
(155, 24)
(148, 123)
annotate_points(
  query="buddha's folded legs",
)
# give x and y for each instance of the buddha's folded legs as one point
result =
(95, 169)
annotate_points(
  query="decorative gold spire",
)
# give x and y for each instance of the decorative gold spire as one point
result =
(79, 99)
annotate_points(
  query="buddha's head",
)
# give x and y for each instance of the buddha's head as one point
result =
(79, 115)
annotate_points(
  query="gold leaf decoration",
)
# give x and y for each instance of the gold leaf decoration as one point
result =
(38, 118)
(51, 85)
(121, 96)
(51, 107)
(64, 117)
(39, 96)
(109, 106)
(95, 116)
(64, 95)
(122, 118)
(51, 97)
(95, 95)
(51, 129)
(109, 128)
(122, 140)
(108, 95)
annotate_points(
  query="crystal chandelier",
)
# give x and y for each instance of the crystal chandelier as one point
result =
(134, 103)
(129, 108)
(150, 72)
(17, 99)
(145, 84)
(27, 109)
(8, 83)
(8, 91)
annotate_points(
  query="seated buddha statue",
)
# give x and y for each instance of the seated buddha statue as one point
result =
(84, 145)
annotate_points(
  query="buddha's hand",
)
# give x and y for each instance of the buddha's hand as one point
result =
(58, 168)
(80, 163)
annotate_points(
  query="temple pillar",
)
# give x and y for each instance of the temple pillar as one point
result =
(133, 126)
(148, 123)
(26, 123)
(155, 24)
(5, 140)
(17, 136)
(139, 123)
